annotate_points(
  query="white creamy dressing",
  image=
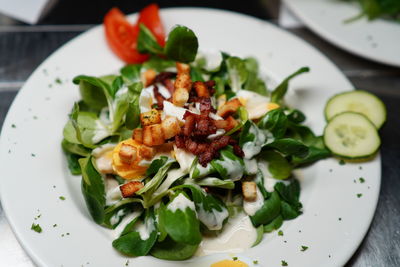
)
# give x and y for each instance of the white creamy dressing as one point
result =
(174, 111)
(145, 229)
(113, 193)
(235, 170)
(103, 161)
(218, 133)
(213, 59)
(105, 116)
(255, 104)
(146, 99)
(100, 132)
(146, 163)
(181, 203)
(212, 219)
(117, 216)
(184, 158)
(163, 91)
(251, 207)
(251, 166)
(124, 222)
(203, 171)
(172, 176)
(237, 235)
(214, 116)
(269, 181)
(250, 149)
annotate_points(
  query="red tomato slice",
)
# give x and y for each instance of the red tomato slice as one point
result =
(122, 36)
(150, 17)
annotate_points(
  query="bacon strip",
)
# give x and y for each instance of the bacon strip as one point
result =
(159, 98)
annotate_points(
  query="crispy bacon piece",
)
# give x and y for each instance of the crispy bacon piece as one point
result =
(159, 98)
(180, 141)
(204, 127)
(205, 105)
(190, 121)
(169, 85)
(227, 124)
(165, 75)
(129, 189)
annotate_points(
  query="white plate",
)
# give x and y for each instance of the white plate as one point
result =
(31, 184)
(377, 40)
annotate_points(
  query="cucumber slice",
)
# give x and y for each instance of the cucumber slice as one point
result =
(351, 135)
(357, 101)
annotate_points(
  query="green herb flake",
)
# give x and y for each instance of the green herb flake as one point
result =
(58, 81)
(13, 126)
(35, 117)
(67, 234)
(36, 227)
(62, 235)
(255, 261)
(303, 248)
(342, 162)
(280, 233)
(284, 263)
(359, 195)
(235, 258)
(62, 197)
(127, 263)
(340, 219)
(362, 180)
(360, 168)
(55, 225)
(33, 155)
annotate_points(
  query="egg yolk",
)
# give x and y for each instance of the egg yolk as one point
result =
(229, 263)
(132, 170)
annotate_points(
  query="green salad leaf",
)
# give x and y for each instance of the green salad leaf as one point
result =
(181, 44)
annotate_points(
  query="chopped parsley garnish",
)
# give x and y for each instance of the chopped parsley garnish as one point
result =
(33, 155)
(36, 227)
(127, 263)
(55, 225)
(13, 126)
(235, 258)
(342, 162)
(284, 263)
(280, 233)
(58, 80)
(359, 195)
(255, 262)
(303, 248)
(62, 197)
(340, 219)
(360, 168)
(361, 179)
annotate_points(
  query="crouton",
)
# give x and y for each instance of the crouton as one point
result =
(148, 77)
(249, 190)
(127, 153)
(227, 124)
(182, 68)
(180, 97)
(137, 135)
(201, 89)
(153, 135)
(146, 152)
(229, 107)
(183, 81)
(170, 127)
(129, 189)
(150, 117)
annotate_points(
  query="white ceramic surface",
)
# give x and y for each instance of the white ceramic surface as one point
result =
(376, 40)
(34, 172)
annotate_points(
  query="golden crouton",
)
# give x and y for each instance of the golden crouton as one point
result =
(153, 135)
(146, 152)
(227, 124)
(137, 135)
(127, 153)
(201, 89)
(229, 107)
(182, 68)
(129, 189)
(170, 127)
(183, 81)
(148, 77)
(150, 117)
(180, 97)
(249, 190)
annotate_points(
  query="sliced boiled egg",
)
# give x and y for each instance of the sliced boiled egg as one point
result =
(230, 263)
(255, 104)
(131, 170)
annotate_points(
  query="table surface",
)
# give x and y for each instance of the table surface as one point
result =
(24, 47)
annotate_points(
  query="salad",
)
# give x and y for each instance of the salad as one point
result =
(373, 9)
(181, 147)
